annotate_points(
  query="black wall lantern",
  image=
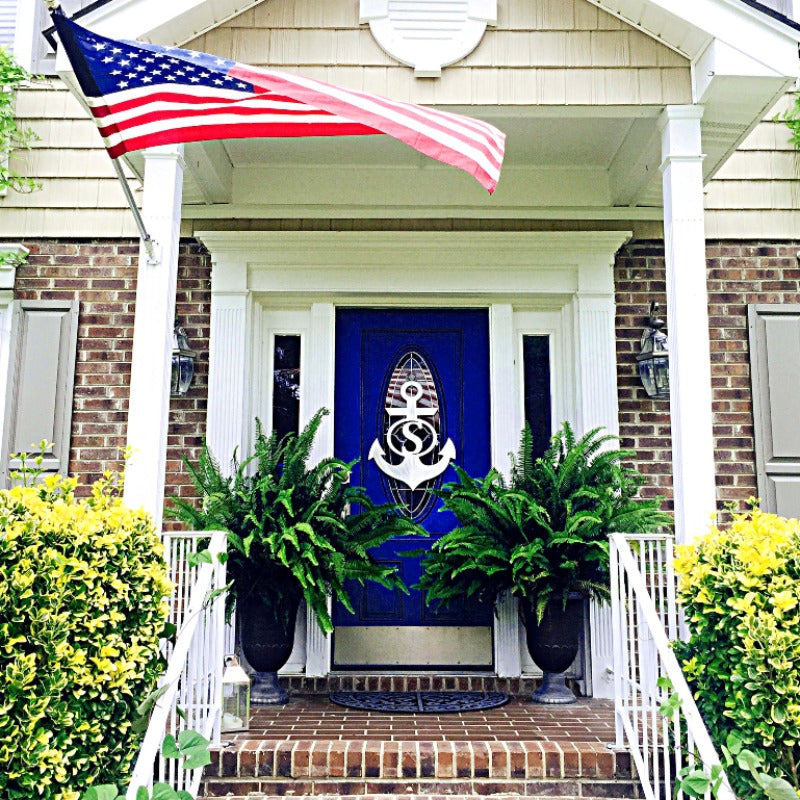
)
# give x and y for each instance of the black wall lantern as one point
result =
(182, 363)
(654, 357)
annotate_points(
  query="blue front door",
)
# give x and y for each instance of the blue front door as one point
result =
(412, 399)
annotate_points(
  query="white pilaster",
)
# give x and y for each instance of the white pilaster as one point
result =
(597, 405)
(148, 411)
(317, 394)
(12, 253)
(505, 427)
(687, 321)
(227, 426)
(597, 401)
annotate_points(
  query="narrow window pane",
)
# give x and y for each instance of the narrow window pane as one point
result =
(536, 365)
(286, 385)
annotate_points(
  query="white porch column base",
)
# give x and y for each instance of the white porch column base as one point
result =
(598, 406)
(687, 321)
(8, 274)
(148, 411)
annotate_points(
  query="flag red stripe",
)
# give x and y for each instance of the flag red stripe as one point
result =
(336, 102)
(424, 142)
(204, 133)
(145, 98)
(147, 117)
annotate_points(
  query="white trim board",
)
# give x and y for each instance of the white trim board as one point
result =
(541, 282)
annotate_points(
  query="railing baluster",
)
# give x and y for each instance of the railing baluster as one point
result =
(195, 661)
(643, 590)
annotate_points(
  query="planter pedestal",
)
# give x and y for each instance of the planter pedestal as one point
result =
(553, 644)
(267, 639)
(266, 691)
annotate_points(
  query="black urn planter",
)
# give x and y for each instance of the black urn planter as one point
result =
(267, 638)
(553, 644)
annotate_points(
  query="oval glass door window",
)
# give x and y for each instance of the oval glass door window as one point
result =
(412, 449)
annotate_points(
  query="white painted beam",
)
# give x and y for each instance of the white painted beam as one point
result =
(635, 164)
(211, 169)
(687, 322)
(148, 411)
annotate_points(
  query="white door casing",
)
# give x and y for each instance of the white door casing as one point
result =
(557, 283)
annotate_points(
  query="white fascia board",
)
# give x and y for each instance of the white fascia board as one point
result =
(719, 60)
(25, 35)
(765, 39)
(170, 23)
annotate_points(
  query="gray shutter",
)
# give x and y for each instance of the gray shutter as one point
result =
(775, 377)
(39, 396)
(8, 21)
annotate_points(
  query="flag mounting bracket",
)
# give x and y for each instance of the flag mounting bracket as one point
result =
(147, 240)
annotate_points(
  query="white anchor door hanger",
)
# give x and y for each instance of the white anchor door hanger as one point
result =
(412, 400)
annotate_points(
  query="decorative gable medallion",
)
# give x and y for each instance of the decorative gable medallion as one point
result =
(428, 34)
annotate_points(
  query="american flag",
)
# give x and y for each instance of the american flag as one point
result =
(143, 95)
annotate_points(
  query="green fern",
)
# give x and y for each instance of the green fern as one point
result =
(545, 533)
(290, 528)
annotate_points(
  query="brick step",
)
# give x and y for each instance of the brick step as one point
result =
(444, 796)
(299, 685)
(358, 758)
(440, 796)
(254, 788)
(358, 767)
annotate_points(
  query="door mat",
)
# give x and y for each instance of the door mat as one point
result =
(420, 702)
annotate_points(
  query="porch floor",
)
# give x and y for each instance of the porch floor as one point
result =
(312, 718)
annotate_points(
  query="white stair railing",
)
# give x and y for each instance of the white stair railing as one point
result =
(646, 618)
(193, 678)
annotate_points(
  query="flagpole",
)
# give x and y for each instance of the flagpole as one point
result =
(147, 240)
(55, 8)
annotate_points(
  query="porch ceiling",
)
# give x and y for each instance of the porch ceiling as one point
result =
(577, 162)
(562, 161)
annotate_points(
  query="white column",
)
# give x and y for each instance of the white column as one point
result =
(148, 412)
(12, 254)
(687, 321)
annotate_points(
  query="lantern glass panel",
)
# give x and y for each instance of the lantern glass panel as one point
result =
(175, 376)
(235, 707)
(186, 373)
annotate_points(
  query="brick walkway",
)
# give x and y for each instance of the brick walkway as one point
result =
(315, 718)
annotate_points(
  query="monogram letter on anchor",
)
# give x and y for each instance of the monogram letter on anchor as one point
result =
(412, 437)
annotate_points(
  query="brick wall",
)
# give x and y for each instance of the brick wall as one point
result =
(102, 276)
(739, 273)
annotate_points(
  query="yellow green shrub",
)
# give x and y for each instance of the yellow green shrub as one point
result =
(740, 588)
(82, 608)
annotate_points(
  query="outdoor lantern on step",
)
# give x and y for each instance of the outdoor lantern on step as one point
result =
(654, 357)
(235, 697)
(182, 363)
